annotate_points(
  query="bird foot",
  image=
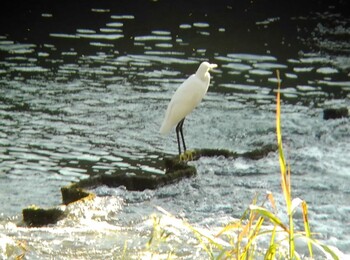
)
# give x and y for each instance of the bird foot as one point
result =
(187, 156)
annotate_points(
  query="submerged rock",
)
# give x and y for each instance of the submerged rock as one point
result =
(334, 113)
(37, 217)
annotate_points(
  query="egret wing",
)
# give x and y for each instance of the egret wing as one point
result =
(185, 99)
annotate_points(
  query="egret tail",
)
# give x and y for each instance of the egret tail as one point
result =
(165, 128)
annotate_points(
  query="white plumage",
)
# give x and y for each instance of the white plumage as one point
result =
(185, 99)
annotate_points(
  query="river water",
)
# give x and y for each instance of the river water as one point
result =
(84, 87)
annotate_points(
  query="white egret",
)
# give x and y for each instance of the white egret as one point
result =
(185, 99)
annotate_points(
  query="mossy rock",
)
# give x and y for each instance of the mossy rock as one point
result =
(253, 155)
(73, 193)
(259, 153)
(173, 164)
(175, 170)
(213, 153)
(38, 217)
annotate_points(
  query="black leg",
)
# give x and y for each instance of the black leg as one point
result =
(178, 138)
(179, 130)
(182, 135)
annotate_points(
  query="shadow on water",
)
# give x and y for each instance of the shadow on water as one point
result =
(84, 86)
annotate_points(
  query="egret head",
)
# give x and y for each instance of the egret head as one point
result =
(203, 70)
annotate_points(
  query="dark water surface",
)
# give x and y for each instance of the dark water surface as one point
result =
(84, 86)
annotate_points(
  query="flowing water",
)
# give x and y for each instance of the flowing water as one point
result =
(84, 87)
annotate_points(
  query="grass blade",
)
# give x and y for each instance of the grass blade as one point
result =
(251, 239)
(271, 252)
(285, 172)
(269, 215)
(307, 226)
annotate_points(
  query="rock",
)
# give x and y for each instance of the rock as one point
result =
(334, 113)
(175, 171)
(37, 217)
(253, 155)
(260, 152)
(214, 153)
(145, 181)
(73, 193)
